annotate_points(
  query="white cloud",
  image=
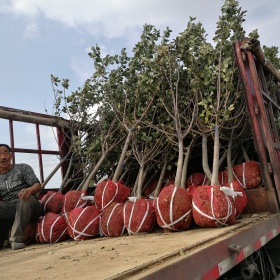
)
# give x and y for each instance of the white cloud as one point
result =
(122, 18)
(109, 17)
(82, 67)
(31, 30)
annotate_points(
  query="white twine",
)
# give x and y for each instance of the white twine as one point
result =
(79, 200)
(131, 216)
(102, 179)
(109, 219)
(204, 180)
(42, 227)
(243, 184)
(82, 232)
(172, 223)
(77, 204)
(47, 201)
(243, 175)
(88, 197)
(61, 235)
(230, 191)
(51, 231)
(229, 210)
(117, 190)
(222, 177)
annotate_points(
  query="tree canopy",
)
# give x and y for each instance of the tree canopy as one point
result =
(169, 106)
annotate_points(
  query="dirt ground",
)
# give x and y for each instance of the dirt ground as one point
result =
(103, 257)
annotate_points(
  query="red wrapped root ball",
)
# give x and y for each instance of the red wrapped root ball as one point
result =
(72, 200)
(111, 221)
(212, 208)
(139, 215)
(107, 192)
(197, 179)
(174, 208)
(240, 200)
(52, 228)
(83, 223)
(52, 202)
(248, 174)
(191, 188)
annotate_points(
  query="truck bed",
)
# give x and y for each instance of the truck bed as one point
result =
(193, 254)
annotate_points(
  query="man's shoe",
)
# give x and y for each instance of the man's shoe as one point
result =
(17, 246)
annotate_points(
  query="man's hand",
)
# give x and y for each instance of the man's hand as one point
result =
(25, 193)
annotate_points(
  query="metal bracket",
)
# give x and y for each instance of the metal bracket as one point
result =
(235, 248)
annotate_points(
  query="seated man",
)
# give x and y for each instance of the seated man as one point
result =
(19, 205)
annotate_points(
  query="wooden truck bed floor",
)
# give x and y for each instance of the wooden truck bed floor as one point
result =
(198, 252)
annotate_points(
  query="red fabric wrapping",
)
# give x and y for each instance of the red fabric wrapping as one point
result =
(139, 216)
(52, 202)
(197, 178)
(111, 221)
(107, 192)
(248, 174)
(212, 208)
(30, 232)
(72, 200)
(174, 208)
(239, 201)
(223, 177)
(83, 223)
(52, 228)
(191, 188)
(37, 233)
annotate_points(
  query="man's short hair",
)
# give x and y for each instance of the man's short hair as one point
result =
(7, 146)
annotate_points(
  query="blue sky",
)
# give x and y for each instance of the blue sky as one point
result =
(44, 37)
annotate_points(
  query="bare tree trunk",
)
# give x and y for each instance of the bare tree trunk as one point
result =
(223, 157)
(123, 175)
(67, 174)
(244, 153)
(160, 180)
(178, 175)
(93, 172)
(215, 168)
(119, 168)
(205, 164)
(81, 184)
(229, 162)
(185, 166)
(140, 181)
(135, 186)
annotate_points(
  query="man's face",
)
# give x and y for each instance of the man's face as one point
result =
(5, 157)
